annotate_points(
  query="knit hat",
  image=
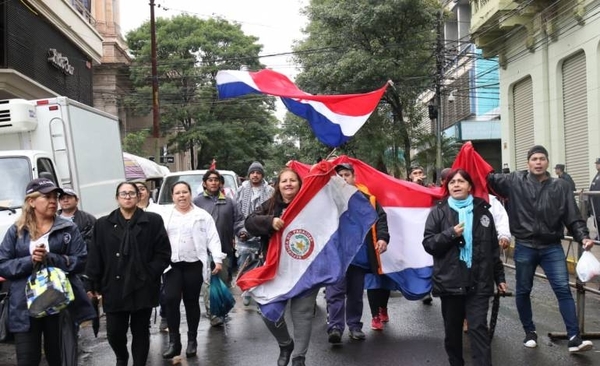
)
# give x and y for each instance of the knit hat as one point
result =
(256, 167)
(537, 149)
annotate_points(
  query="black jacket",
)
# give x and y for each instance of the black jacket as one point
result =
(107, 270)
(539, 211)
(85, 222)
(381, 233)
(451, 275)
(260, 222)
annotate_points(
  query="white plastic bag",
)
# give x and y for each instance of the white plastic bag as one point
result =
(587, 267)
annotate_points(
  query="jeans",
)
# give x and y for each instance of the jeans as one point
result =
(345, 300)
(553, 261)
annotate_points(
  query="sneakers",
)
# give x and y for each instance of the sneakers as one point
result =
(216, 321)
(578, 345)
(246, 300)
(383, 315)
(335, 336)
(530, 340)
(357, 334)
(376, 323)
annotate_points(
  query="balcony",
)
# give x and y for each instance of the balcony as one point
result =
(492, 19)
(74, 20)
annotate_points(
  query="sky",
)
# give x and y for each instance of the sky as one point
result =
(277, 23)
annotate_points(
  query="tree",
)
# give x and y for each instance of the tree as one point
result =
(356, 46)
(190, 51)
(426, 145)
(133, 142)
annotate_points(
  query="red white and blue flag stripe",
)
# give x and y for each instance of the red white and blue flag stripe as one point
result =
(407, 206)
(333, 118)
(325, 227)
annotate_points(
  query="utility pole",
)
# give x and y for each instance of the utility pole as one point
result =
(155, 107)
(438, 93)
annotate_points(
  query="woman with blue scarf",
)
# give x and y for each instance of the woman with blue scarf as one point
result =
(461, 236)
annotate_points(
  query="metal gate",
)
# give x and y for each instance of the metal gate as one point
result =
(523, 121)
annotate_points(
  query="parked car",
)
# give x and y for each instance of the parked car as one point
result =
(194, 179)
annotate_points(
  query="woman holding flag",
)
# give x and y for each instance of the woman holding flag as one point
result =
(461, 236)
(264, 222)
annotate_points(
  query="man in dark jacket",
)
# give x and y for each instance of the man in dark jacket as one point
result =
(539, 208)
(594, 207)
(228, 219)
(345, 298)
(69, 210)
(559, 169)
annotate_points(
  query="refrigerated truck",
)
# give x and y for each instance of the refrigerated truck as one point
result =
(75, 145)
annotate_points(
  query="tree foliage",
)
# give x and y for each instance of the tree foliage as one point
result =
(133, 142)
(190, 51)
(355, 46)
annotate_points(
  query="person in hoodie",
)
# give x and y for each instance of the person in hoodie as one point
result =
(345, 298)
(39, 236)
(461, 237)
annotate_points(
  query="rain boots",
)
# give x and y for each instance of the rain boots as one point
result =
(174, 348)
(192, 345)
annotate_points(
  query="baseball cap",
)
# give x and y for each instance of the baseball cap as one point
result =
(42, 185)
(344, 166)
(69, 192)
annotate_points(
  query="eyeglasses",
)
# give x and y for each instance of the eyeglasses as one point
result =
(127, 194)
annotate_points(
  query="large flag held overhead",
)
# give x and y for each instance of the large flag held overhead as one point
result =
(333, 118)
(469, 160)
(407, 205)
(324, 228)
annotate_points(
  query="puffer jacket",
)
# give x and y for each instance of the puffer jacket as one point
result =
(451, 275)
(67, 251)
(539, 211)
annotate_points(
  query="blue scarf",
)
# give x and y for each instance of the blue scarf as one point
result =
(465, 215)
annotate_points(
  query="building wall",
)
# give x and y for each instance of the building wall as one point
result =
(543, 62)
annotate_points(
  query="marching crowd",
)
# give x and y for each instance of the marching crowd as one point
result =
(142, 255)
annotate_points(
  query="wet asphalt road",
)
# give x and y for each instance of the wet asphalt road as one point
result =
(414, 336)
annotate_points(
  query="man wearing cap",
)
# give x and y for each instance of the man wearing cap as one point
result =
(251, 194)
(539, 208)
(68, 209)
(345, 298)
(559, 169)
(228, 219)
(594, 208)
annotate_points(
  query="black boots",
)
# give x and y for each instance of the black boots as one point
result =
(174, 348)
(285, 352)
(192, 345)
(298, 361)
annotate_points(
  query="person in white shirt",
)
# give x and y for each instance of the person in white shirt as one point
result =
(192, 233)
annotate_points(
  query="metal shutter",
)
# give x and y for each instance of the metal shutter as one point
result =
(575, 119)
(523, 121)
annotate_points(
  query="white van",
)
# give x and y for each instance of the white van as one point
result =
(194, 179)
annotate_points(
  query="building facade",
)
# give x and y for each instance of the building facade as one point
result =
(49, 48)
(549, 52)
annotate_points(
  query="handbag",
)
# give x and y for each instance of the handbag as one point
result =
(48, 291)
(4, 304)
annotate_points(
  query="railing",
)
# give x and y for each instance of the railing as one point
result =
(83, 7)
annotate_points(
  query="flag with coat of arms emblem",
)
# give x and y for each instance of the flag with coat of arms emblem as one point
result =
(325, 225)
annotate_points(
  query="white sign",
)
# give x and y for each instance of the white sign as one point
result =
(60, 62)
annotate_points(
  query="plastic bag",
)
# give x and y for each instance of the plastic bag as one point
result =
(221, 299)
(48, 291)
(587, 267)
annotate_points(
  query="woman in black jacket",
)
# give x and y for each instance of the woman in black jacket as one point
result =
(461, 236)
(129, 252)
